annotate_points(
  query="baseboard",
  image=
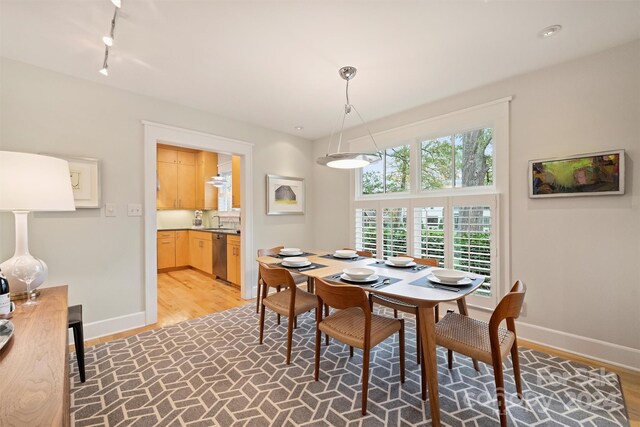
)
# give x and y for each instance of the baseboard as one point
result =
(601, 351)
(111, 326)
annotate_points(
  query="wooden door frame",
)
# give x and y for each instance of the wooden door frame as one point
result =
(155, 133)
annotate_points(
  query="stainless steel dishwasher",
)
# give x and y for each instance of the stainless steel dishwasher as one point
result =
(219, 254)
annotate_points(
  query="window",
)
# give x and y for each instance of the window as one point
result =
(458, 160)
(391, 175)
(442, 194)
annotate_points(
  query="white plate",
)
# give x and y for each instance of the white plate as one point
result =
(411, 264)
(291, 253)
(296, 264)
(368, 279)
(345, 257)
(463, 282)
(6, 332)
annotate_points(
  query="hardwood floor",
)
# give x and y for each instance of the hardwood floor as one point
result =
(187, 294)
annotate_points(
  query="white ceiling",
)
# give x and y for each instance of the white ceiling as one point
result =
(275, 63)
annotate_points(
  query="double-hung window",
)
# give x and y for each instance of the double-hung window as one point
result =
(441, 191)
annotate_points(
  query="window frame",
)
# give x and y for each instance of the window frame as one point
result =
(493, 114)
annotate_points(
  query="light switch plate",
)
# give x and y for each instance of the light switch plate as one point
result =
(134, 209)
(109, 209)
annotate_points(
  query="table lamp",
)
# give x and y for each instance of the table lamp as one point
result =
(30, 182)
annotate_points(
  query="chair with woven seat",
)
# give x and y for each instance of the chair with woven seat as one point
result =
(354, 324)
(74, 321)
(290, 302)
(487, 342)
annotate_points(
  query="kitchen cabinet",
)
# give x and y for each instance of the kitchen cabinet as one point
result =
(201, 251)
(206, 167)
(176, 174)
(233, 259)
(166, 249)
(182, 248)
(235, 181)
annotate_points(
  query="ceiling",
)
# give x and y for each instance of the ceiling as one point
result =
(275, 63)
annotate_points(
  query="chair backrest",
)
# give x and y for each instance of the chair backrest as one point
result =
(341, 296)
(270, 252)
(275, 277)
(365, 254)
(432, 262)
(509, 307)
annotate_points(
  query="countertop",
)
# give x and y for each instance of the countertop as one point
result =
(206, 230)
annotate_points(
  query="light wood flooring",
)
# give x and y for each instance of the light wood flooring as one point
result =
(188, 294)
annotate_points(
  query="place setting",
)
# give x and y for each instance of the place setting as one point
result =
(400, 262)
(292, 252)
(363, 277)
(446, 279)
(347, 255)
(298, 263)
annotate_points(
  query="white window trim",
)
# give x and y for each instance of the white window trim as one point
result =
(494, 114)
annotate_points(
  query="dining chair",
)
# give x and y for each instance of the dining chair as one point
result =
(354, 324)
(74, 321)
(365, 254)
(290, 302)
(298, 278)
(487, 342)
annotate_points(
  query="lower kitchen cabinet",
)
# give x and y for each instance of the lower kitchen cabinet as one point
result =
(166, 249)
(201, 251)
(182, 248)
(233, 259)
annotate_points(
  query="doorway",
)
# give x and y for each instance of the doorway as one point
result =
(154, 134)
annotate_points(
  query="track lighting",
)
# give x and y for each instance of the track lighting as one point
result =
(117, 3)
(108, 40)
(105, 67)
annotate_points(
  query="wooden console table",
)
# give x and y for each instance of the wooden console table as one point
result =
(34, 364)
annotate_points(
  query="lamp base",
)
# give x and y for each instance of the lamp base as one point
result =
(26, 262)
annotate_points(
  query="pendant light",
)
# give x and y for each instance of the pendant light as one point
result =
(217, 181)
(349, 160)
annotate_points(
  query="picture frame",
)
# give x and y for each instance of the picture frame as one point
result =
(590, 174)
(84, 173)
(285, 195)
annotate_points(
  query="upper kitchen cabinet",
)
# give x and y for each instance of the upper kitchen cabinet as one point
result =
(176, 171)
(206, 167)
(235, 180)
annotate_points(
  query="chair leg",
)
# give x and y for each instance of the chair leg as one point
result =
(450, 359)
(295, 322)
(436, 309)
(350, 351)
(261, 321)
(497, 372)
(365, 378)
(395, 313)
(401, 343)
(326, 314)
(418, 342)
(258, 299)
(78, 339)
(278, 315)
(423, 378)
(516, 368)
(289, 338)
(371, 302)
(318, 340)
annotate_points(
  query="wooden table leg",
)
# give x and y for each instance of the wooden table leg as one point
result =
(462, 308)
(310, 284)
(427, 328)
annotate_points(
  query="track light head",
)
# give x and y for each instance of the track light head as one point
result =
(104, 71)
(117, 3)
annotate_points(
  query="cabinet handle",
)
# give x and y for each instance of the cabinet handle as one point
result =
(165, 243)
(200, 243)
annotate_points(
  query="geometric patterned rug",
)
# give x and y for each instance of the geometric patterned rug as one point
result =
(211, 371)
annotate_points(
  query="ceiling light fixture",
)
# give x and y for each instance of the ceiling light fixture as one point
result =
(550, 31)
(348, 160)
(108, 40)
(298, 127)
(217, 181)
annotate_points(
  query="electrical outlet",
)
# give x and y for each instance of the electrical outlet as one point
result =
(109, 209)
(134, 209)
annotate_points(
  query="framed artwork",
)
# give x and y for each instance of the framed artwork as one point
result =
(592, 174)
(84, 173)
(285, 195)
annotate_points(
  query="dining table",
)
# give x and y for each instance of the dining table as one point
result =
(407, 284)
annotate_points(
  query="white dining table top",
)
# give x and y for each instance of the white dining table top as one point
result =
(417, 294)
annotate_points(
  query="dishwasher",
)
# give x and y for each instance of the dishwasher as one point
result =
(219, 254)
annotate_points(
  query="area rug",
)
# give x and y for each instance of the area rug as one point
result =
(211, 371)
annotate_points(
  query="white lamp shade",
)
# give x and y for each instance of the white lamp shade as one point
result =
(32, 182)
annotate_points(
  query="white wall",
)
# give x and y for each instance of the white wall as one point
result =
(579, 256)
(101, 259)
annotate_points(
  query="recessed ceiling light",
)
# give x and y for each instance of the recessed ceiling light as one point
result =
(298, 127)
(550, 31)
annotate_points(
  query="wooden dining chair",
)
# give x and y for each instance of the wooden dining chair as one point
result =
(487, 342)
(354, 324)
(365, 254)
(290, 302)
(298, 278)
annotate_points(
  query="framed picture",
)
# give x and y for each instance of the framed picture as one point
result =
(592, 174)
(285, 195)
(84, 173)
